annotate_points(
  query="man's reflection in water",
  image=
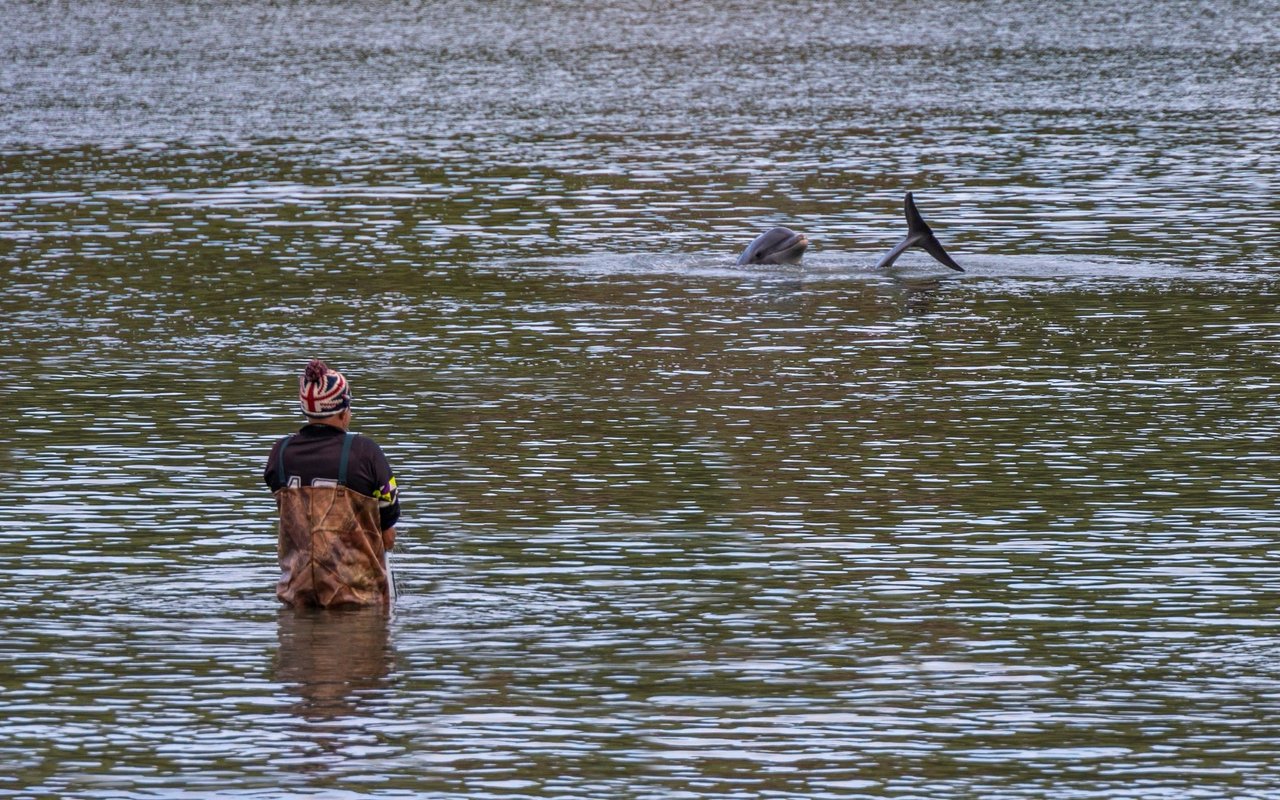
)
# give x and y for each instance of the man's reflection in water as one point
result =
(330, 657)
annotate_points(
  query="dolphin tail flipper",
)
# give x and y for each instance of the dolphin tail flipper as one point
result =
(918, 235)
(934, 248)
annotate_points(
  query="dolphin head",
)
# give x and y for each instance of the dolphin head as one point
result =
(775, 246)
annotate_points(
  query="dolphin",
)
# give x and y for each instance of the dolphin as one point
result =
(918, 235)
(775, 246)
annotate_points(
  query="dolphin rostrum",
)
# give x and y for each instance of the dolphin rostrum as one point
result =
(775, 246)
(918, 235)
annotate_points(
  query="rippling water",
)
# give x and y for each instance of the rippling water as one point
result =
(673, 528)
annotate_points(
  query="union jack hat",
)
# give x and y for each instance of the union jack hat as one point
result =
(322, 392)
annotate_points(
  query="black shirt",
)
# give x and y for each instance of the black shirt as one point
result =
(313, 456)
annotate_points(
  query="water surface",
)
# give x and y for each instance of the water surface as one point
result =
(673, 528)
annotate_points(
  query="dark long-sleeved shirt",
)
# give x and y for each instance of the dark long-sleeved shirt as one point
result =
(312, 458)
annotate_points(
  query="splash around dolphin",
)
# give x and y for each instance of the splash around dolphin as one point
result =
(785, 246)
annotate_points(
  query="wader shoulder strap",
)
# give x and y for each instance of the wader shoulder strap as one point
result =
(280, 473)
(346, 451)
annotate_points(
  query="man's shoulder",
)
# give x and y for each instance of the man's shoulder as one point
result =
(363, 443)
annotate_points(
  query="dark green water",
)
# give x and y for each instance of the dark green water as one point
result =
(673, 528)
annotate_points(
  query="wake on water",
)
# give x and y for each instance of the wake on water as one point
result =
(911, 268)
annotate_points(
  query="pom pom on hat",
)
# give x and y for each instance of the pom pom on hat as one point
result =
(322, 392)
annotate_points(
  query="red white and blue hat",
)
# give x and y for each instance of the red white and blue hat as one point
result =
(322, 392)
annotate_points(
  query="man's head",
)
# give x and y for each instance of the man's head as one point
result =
(324, 395)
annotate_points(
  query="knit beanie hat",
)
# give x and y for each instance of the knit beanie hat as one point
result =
(322, 392)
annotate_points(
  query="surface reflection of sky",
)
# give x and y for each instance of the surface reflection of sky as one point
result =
(673, 528)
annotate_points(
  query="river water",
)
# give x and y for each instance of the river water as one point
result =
(673, 528)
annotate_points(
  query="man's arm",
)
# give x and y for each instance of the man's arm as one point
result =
(386, 492)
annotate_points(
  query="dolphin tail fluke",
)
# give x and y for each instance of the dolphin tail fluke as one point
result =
(918, 235)
(934, 248)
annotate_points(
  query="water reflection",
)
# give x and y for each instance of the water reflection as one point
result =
(673, 528)
(333, 660)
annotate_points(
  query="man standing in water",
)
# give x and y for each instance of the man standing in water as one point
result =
(337, 499)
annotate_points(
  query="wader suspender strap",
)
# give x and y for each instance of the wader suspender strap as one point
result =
(284, 479)
(342, 463)
(346, 451)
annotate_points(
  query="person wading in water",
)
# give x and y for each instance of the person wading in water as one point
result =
(337, 499)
